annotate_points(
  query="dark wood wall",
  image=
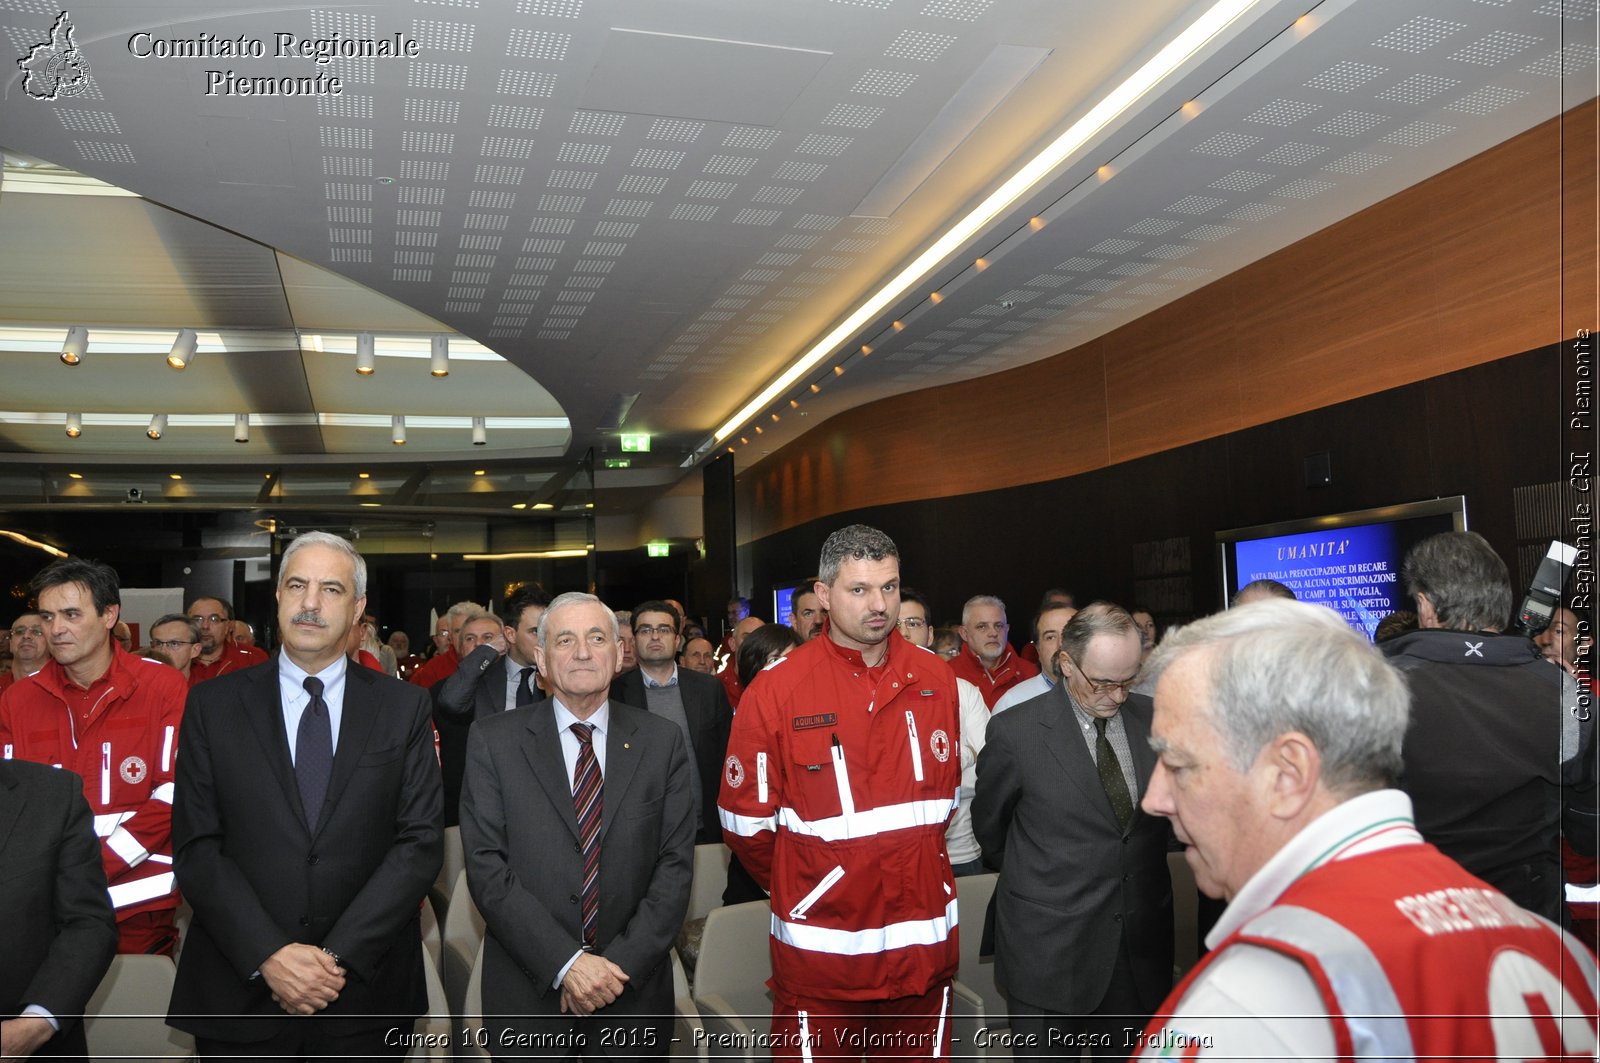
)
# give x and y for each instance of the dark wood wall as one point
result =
(1141, 531)
(1494, 256)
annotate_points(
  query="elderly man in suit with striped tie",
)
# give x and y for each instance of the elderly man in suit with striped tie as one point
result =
(578, 819)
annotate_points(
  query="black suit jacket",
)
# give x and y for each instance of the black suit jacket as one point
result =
(705, 703)
(525, 865)
(1072, 884)
(475, 690)
(58, 932)
(259, 879)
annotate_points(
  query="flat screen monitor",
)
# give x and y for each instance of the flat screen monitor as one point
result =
(783, 603)
(1349, 562)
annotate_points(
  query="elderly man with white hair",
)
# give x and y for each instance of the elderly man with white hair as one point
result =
(1278, 731)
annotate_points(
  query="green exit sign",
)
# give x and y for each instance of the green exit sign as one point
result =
(619, 463)
(657, 549)
(635, 444)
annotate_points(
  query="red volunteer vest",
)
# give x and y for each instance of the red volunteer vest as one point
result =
(1417, 959)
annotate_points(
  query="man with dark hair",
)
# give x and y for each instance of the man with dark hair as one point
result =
(29, 651)
(699, 656)
(696, 703)
(1278, 731)
(219, 654)
(59, 933)
(113, 718)
(176, 637)
(987, 660)
(1260, 590)
(1047, 627)
(1083, 908)
(806, 612)
(1500, 753)
(841, 775)
(308, 833)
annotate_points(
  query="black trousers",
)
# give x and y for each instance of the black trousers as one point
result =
(1110, 1030)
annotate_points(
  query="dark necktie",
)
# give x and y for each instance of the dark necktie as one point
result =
(313, 753)
(524, 690)
(1116, 786)
(586, 802)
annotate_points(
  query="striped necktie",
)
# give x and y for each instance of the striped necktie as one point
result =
(586, 802)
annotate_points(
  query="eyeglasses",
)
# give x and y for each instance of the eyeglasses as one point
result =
(911, 623)
(1103, 686)
(214, 618)
(169, 644)
(24, 632)
(649, 630)
(954, 651)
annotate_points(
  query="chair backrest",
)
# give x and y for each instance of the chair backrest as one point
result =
(462, 921)
(432, 938)
(463, 934)
(710, 879)
(1185, 914)
(437, 1026)
(735, 951)
(974, 893)
(127, 1016)
(455, 860)
(475, 1043)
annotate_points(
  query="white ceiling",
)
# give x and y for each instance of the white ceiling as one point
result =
(675, 198)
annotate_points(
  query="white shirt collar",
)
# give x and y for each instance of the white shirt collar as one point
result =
(601, 718)
(649, 682)
(1373, 821)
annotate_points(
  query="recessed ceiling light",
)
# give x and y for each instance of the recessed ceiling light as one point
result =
(74, 475)
(519, 505)
(364, 475)
(174, 475)
(544, 505)
(479, 472)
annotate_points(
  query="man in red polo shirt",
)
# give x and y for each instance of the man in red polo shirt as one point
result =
(28, 651)
(219, 654)
(987, 660)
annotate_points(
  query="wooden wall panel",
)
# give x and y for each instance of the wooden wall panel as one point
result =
(1462, 269)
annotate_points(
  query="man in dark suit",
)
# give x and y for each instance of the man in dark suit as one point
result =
(1083, 907)
(59, 932)
(697, 703)
(496, 673)
(578, 822)
(307, 828)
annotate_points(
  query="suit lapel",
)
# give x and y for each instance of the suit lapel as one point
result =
(1144, 758)
(356, 720)
(622, 762)
(264, 710)
(11, 802)
(541, 746)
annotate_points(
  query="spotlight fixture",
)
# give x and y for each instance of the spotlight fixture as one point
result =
(75, 346)
(480, 431)
(182, 352)
(74, 425)
(241, 428)
(397, 429)
(366, 355)
(158, 425)
(440, 362)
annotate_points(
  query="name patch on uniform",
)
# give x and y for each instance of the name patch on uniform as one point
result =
(821, 719)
